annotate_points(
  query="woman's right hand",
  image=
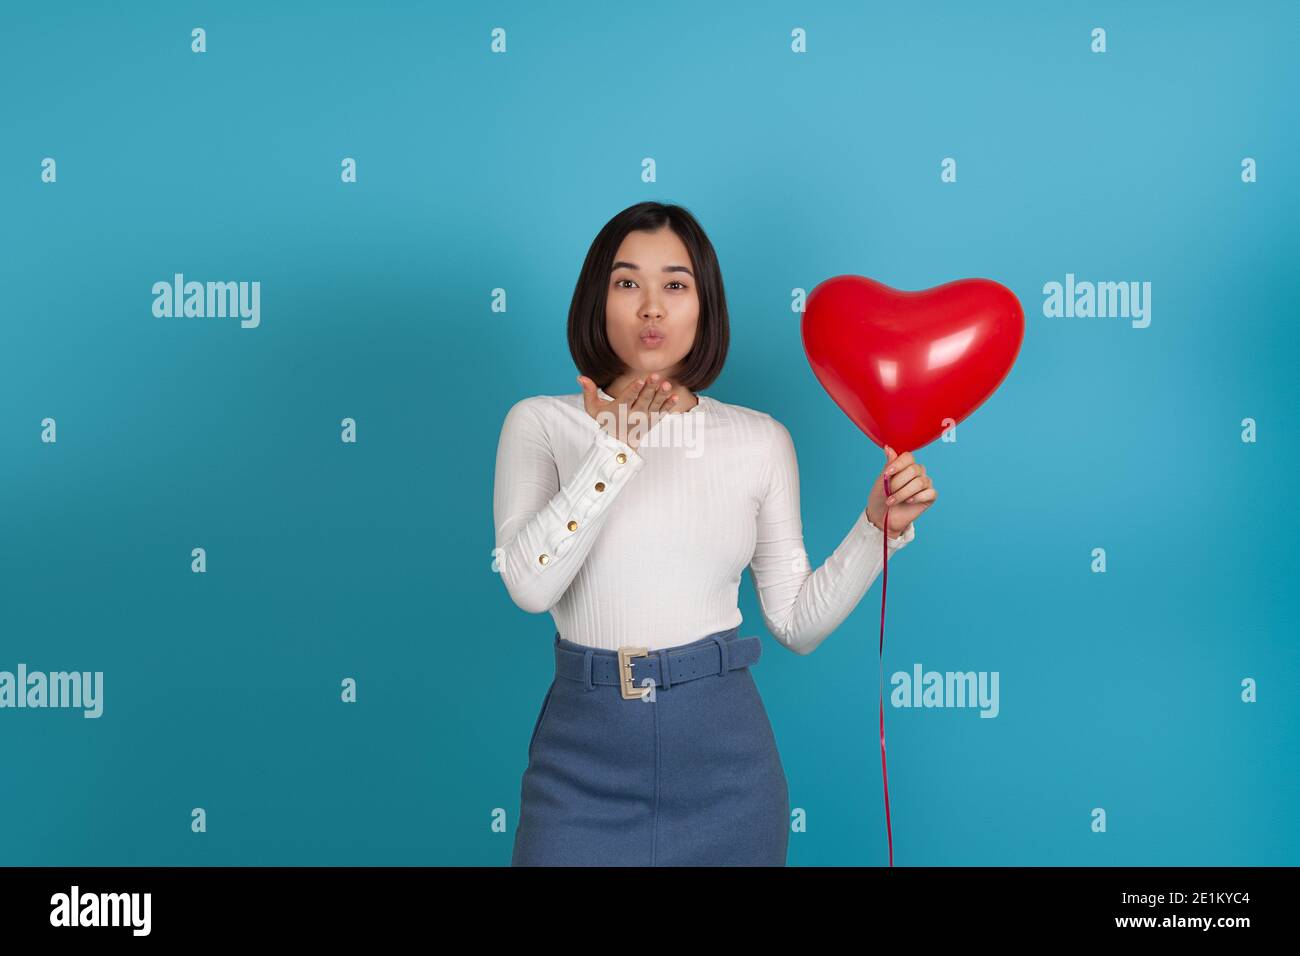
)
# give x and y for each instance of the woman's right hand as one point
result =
(643, 398)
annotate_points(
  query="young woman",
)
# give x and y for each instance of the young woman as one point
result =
(629, 511)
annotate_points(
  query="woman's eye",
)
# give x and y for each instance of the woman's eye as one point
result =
(619, 283)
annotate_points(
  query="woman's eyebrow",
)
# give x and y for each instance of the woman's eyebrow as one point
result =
(629, 265)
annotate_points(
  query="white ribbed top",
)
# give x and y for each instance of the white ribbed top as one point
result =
(649, 550)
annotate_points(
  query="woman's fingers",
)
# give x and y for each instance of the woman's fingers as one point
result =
(906, 480)
(899, 463)
(912, 487)
(662, 393)
(638, 397)
(639, 415)
(903, 476)
(643, 399)
(647, 394)
(632, 392)
(896, 481)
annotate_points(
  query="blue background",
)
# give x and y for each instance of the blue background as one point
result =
(477, 171)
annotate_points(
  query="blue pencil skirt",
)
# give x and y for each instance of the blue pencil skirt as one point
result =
(684, 772)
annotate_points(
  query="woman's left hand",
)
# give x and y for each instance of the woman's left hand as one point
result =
(911, 492)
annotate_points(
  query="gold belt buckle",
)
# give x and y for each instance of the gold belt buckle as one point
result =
(625, 654)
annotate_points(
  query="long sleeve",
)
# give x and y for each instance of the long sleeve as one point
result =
(801, 607)
(545, 529)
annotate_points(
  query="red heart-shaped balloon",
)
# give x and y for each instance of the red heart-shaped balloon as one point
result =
(904, 366)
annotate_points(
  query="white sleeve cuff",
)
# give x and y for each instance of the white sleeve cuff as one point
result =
(876, 534)
(606, 468)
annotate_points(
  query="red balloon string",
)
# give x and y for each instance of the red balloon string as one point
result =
(884, 584)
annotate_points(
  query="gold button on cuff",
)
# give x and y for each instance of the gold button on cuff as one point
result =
(621, 459)
(543, 558)
(573, 526)
(600, 486)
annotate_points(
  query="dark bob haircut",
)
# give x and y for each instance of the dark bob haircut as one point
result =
(588, 341)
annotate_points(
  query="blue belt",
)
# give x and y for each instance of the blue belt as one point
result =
(629, 666)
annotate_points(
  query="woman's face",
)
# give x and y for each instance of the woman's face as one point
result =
(652, 290)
